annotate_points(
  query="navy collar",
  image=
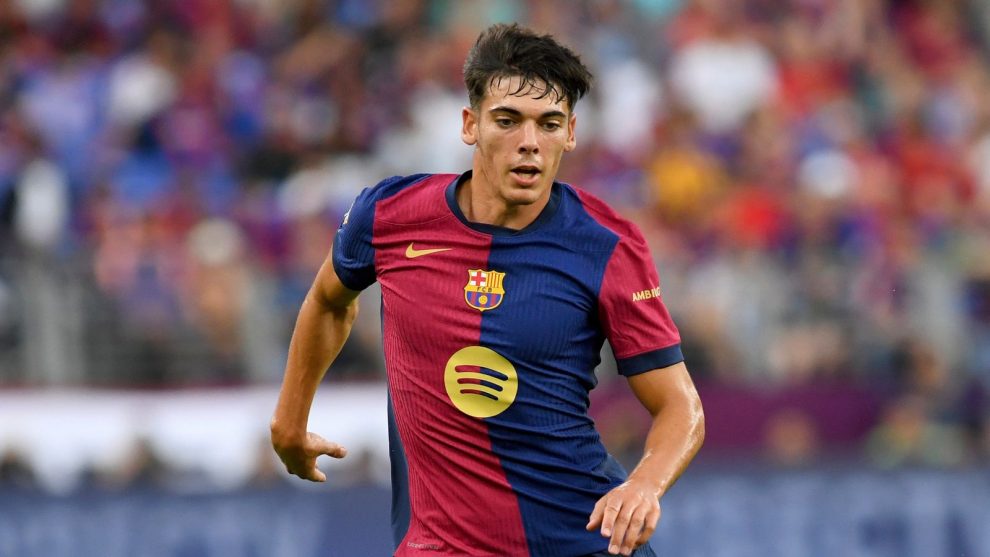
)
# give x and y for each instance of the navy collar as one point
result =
(545, 215)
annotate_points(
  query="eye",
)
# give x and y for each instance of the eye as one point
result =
(551, 126)
(504, 122)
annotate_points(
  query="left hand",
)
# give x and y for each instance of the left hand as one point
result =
(627, 515)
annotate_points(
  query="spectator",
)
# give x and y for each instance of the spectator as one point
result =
(813, 177)
(791, 439)
(16, 471)
(907, 435)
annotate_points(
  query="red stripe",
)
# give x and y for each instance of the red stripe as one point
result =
(632, 326)
(449, 454)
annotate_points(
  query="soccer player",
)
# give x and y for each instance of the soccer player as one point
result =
(499, 287)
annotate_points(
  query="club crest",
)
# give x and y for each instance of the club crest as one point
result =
(484, 289)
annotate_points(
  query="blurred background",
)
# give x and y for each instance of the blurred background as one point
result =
(813, 177)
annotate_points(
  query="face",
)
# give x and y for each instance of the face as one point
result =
(519, 140)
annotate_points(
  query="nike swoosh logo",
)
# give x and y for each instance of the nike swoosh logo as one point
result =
(413, 253)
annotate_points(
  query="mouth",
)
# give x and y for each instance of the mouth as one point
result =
(526, 173)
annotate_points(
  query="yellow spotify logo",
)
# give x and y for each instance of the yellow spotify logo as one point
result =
(480, 381)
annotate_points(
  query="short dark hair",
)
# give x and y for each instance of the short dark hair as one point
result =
(503, 51)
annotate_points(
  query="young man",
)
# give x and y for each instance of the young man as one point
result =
(499, 287)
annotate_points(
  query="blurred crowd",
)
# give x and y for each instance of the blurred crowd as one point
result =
(813, 175)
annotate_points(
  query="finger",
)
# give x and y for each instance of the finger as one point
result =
(334, 450)
(314, 474)
(619, 529)
(317, 445)
(649, 525)
(306, 469)
(609, 514)
(303, 466)
(595, 520)
(635, 529)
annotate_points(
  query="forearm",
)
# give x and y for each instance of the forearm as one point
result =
(628, 514)
(675, 437)
(320, 332)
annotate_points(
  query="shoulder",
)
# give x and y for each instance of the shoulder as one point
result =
(599, 214)
(401, 198)
(413, 199)
(392, 186)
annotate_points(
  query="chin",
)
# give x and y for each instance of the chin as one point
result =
(524, 195)
(518, 196)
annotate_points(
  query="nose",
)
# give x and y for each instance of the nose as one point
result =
(528, 144)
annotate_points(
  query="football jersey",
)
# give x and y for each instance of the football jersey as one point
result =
(491, 338)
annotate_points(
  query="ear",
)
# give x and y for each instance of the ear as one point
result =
(469, 127)
(571, 138)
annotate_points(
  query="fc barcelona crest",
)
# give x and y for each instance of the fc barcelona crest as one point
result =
(484, 289)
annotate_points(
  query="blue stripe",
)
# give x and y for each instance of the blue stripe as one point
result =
(546, 325)
(478, 392)
(481, 383)
(401, 512)
(479, 369)
(399, 469)
(651, 360)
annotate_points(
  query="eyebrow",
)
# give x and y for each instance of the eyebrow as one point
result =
(514, 112)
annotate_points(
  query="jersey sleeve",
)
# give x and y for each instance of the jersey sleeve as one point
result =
(631, 310)
(353, 252)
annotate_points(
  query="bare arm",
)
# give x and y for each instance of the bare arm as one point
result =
(628, 514)
(322, 327)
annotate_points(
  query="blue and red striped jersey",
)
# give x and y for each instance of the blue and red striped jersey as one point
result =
(491, 338)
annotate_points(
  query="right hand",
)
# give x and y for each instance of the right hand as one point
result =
(300, 456)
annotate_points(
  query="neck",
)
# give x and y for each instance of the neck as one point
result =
(479, 201)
